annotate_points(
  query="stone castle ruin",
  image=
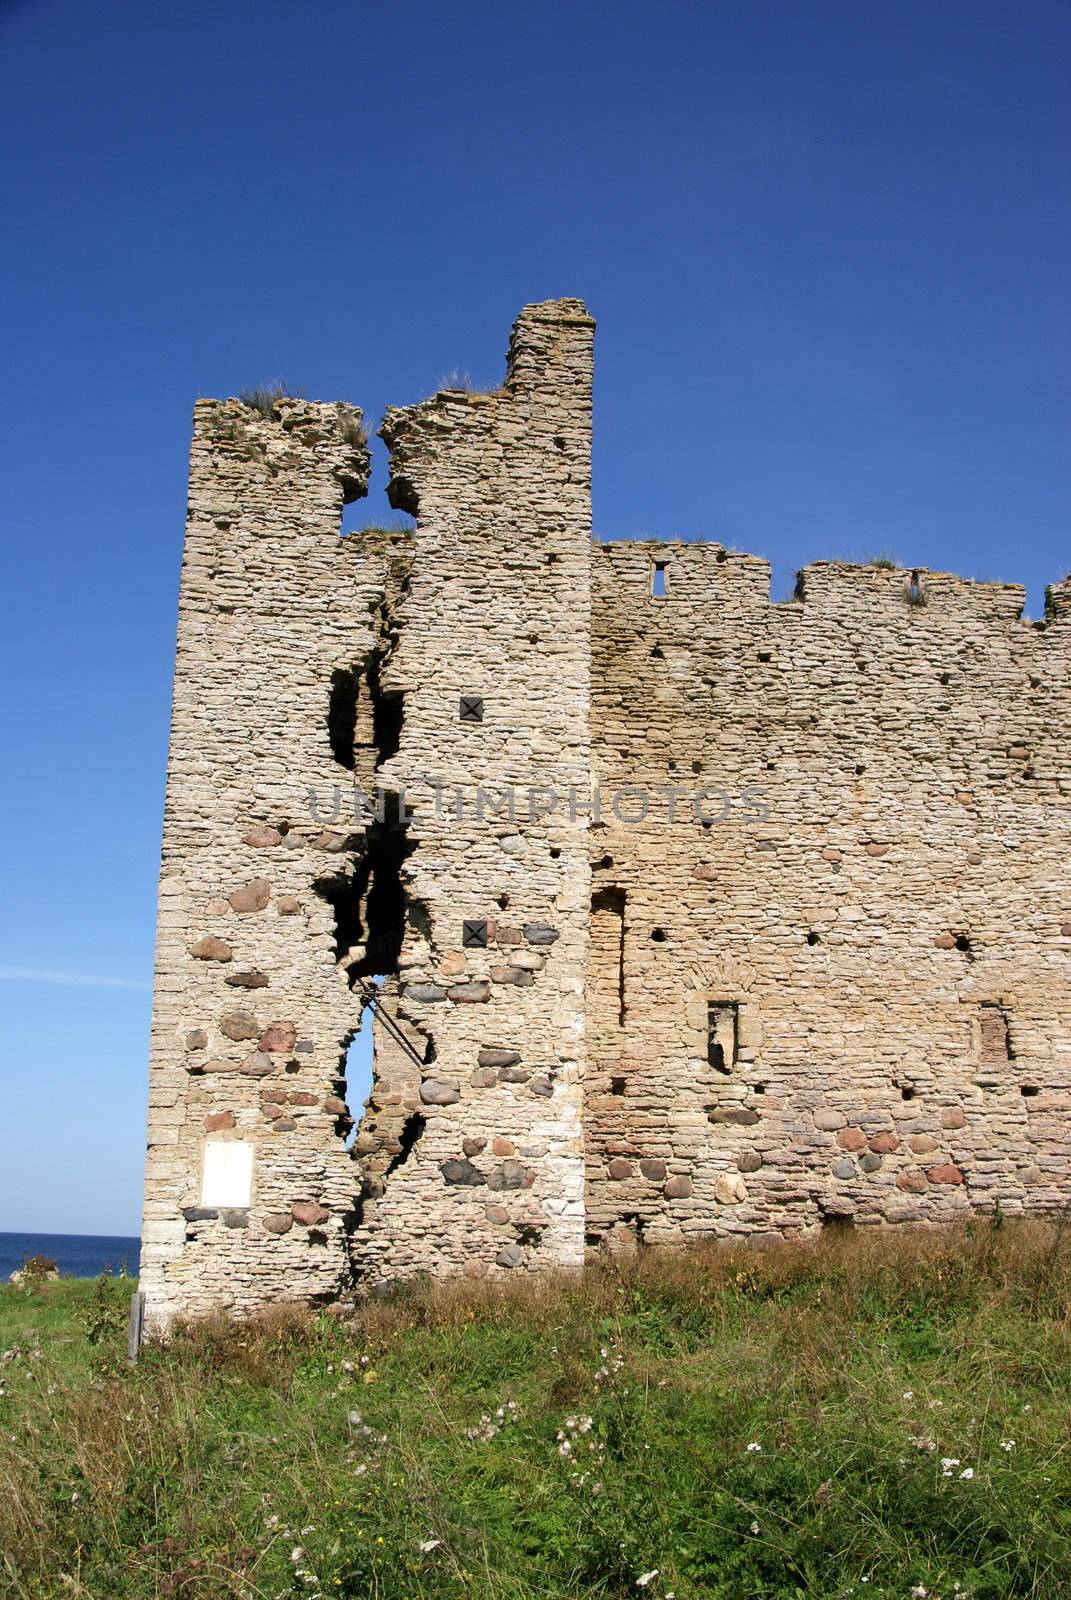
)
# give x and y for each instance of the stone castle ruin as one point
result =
(674, 911)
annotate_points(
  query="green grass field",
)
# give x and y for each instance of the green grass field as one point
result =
(874, 1416)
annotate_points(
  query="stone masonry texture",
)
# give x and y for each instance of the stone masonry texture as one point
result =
(686, 913)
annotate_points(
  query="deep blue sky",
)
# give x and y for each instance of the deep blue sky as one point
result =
(826, 243)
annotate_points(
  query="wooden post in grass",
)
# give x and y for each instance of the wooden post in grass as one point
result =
(137, 1321)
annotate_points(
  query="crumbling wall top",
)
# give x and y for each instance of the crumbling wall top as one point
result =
(282, 437)
(547, 383)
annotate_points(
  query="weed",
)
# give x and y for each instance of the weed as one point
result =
(456, 382)
(102, 1319)
(265, 397)
(353, 433)
(35, 1270)
(876, 1414)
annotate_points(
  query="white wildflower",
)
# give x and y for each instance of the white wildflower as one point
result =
(754, 1527)
(297, 1554)
(968, 1472)
(1007, 1444)
(645, 1578)
(908, 1394)
(754, 1447)
(428, 1544)
(919, 1592)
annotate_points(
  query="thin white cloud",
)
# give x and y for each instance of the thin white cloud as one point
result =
(83, 980)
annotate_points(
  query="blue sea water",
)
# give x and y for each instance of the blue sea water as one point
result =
(77, 1255)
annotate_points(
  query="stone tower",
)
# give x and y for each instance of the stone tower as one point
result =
(452, 662)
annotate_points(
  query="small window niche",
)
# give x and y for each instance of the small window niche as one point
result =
(994, 1037)
(470, 708)
(228, 1174)
(659, 588)
(723, 1034)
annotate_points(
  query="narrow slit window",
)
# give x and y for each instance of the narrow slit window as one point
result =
(723, 1033)
(658, 581)
(608, 942)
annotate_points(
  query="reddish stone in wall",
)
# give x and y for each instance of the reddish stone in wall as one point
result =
(211, 949)
(307, 1212)
(678, 1189)
(252, 896)
(263, 838)
(851, 1139)
(239, 1025)
(278, 1036)
(218, 1120)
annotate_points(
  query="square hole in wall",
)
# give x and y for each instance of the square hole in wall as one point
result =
(471, 708)
(474, 934)
(658, 581)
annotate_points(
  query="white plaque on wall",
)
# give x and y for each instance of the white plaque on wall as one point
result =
(228, 1174)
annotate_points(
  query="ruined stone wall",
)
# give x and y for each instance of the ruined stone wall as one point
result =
(837, 991)
(309, 667)
(249, 1013)
(847, 996)
(498, 613)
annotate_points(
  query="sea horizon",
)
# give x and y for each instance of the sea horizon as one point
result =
(77, 1255)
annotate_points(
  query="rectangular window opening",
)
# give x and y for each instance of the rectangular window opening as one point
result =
(723, 1034)
(659, 591)
(996, 1042)
(608, 936)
